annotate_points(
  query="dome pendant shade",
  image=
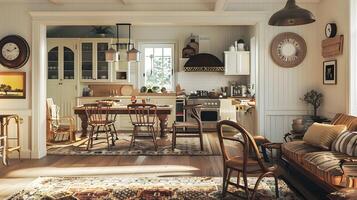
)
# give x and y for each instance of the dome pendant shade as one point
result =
(291, 15)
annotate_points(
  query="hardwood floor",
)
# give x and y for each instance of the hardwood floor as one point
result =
(20, 173)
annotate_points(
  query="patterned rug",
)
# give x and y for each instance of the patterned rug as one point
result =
(184, 147)
(123, 188)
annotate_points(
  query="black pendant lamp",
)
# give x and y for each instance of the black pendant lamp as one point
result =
(291, 15)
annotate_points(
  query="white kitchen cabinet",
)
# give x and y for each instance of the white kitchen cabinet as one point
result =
(93, 67)
(62, 65)
(237, 62)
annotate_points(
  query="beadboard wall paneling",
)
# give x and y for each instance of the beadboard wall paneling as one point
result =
(284, 87)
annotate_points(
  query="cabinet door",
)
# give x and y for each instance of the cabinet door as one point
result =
(69, 62)
(243, 63)
(87, 63)
(230, 62)
(53, 63)
(102, 69)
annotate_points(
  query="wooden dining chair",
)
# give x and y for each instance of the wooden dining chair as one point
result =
(248, 161)
(189, 129)
(143, 115)
(99, 121)
(112, 117)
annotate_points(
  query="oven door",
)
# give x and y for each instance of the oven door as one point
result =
(209, 115)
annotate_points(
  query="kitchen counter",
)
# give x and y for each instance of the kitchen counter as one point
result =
(155, 95)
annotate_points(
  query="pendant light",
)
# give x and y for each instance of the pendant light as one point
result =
(291, 15)
(113, 55)
(133, 54)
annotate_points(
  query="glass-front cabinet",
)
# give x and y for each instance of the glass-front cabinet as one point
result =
(83, 59)
(61, 60)
(93, 67)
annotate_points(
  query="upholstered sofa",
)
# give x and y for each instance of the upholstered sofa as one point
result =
(323, 167)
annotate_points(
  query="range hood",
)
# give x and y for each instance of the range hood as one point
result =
(204, 62)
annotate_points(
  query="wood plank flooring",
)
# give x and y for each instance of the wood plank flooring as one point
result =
(19, 174)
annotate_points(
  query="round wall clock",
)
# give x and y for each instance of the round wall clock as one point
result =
(14, 51)
(288, 49)
(331, 30)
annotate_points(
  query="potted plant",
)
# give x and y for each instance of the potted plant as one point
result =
(314, 98)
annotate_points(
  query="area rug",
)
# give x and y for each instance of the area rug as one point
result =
(124, 188)
(184, 147)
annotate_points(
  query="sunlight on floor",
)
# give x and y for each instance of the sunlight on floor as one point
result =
(146, 170)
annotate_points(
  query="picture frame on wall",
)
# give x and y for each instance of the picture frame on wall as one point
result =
(330, 72)
(12, 85)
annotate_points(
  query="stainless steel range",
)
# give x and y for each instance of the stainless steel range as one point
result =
(209, 112)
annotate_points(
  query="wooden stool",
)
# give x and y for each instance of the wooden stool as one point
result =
(3, 149)
(4, 123)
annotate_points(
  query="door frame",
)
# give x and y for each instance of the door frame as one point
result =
(42, 19)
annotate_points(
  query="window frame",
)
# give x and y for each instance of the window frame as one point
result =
(156, 44)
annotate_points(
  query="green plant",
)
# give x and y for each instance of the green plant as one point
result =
(314, 98)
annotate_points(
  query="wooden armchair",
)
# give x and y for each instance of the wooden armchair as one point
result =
(248, 160)
(59, 128)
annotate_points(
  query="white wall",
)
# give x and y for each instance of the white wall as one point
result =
(335, 96)
(220, 37)
(20, 24)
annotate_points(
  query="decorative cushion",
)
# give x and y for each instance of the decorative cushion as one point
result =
(322, 135)
(346, 143)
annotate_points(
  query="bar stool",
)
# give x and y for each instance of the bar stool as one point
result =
(14, 145)
(3, 149)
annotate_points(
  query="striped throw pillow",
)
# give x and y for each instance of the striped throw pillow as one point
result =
(346, 143)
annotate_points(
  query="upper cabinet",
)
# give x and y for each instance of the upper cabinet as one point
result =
(62, 59)
(84, 60)
(237, 62)
(93, 67)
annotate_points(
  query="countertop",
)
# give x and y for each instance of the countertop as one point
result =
(170, 95)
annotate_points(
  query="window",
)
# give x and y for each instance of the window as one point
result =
(157, 65)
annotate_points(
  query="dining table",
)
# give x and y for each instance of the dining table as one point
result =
(162, 112)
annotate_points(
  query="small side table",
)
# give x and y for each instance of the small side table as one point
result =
(271, 147)
(293, 135)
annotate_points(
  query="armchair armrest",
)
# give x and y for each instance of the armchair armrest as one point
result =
(349, 166)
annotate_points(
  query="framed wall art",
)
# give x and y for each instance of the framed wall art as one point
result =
(330, 72)
(12, 85)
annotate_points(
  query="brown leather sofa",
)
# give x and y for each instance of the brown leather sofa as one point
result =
(322, 167)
